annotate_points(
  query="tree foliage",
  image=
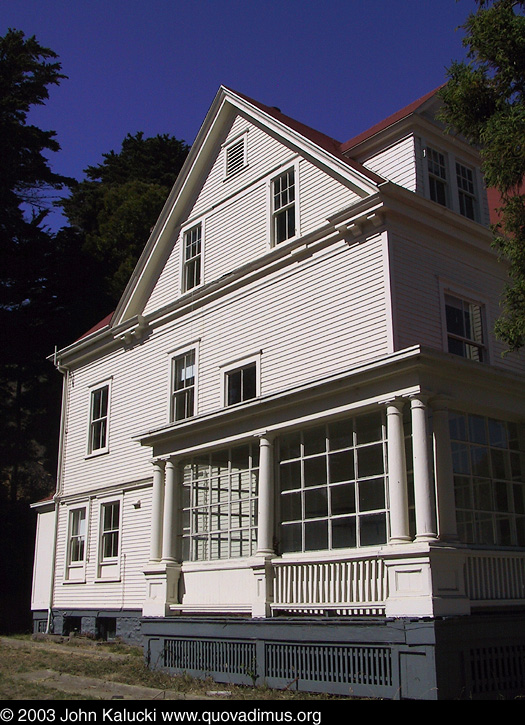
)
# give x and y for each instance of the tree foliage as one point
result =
(117, 204)
(485, 101)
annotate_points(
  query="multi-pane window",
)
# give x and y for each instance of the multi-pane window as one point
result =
(465, 333)
(333, 485)
(110, 515)
(235, 157)
(466, 195)
(98, 426)
(489, 480)
(183, 386)
(437, 176)
(219, 508)
(192, 257)
(77, 536)
(241, 384)
(284, 221)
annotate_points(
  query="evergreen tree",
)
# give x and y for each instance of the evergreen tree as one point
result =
(485, 101)
(118, 203)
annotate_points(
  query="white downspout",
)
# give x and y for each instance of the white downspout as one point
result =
(61, 447)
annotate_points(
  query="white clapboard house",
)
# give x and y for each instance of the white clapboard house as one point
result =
(295, 453)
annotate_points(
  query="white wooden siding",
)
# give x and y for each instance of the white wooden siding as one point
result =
(418, 269)
(129, 591)
(236, 211)
(396, 163)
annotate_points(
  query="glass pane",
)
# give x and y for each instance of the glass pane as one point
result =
(501, 496)
(290, 446)
(315, 503)
(480, 461)
(372, 495)
(477, 429)
(249, 382)
(498, 459)
(315, 471)
(372, 529)
(341, 466)
(315, 535)
(291, 538)
(240, 457)
(463, 492)
(290, 475)
(458, 427)
(314, 441)
(369, 428)
(482, 490)
(344, 533)
(291, 507)
(233, 382)
(341, 434)
(460, 458)
(370, 461)
(342, 499)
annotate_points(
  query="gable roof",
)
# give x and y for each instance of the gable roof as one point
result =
(389, 121)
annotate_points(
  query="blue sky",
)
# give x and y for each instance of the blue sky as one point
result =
(156, 65)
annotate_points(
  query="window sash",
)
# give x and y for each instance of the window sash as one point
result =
(110, 530)
(183, 386)
(284, 222)
(99, 419)
(77, 536)
(241, 384)
(465, 334)
(192, 257)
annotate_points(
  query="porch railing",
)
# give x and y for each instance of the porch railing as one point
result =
(353, 587)
(493, 576)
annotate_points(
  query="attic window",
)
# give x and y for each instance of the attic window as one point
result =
(235, 157)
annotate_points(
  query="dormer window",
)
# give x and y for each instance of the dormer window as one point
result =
(457, 192)
(437, 176)
(466, 195)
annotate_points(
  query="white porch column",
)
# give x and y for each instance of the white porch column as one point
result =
(425, 530)
(265, 519)
(171, 518)
(446, 503)
(157, 511)
(397, 474)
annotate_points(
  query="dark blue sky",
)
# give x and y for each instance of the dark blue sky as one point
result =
(156, 65)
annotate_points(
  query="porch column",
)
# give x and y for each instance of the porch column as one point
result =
(157, 511)
(446, 503)
(171, 514)
(425, 530)
(265, 517)
(397, 474)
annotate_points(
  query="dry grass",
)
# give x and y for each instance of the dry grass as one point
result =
(115, 663)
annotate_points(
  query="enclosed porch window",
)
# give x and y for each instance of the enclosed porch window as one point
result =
(333, 485)
(219, 507)
(489, 480)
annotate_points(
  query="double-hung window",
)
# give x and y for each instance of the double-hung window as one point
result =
(241, 384)
(110, 530)
(284, 218)
(465, 328)
(437, 176)
(183, 375)
(99, 418)
(77, 536)
(192, 258)
(466, 195)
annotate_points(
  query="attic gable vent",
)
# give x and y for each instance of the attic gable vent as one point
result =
(236, 157)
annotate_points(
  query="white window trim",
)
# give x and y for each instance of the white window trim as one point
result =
(452, 190)
(92, 389)
(468, 295)
(109, 569)
(236, 365)
(242, 136)
(172, 354)
(187, 228)
(269, 203)
(79, 567)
